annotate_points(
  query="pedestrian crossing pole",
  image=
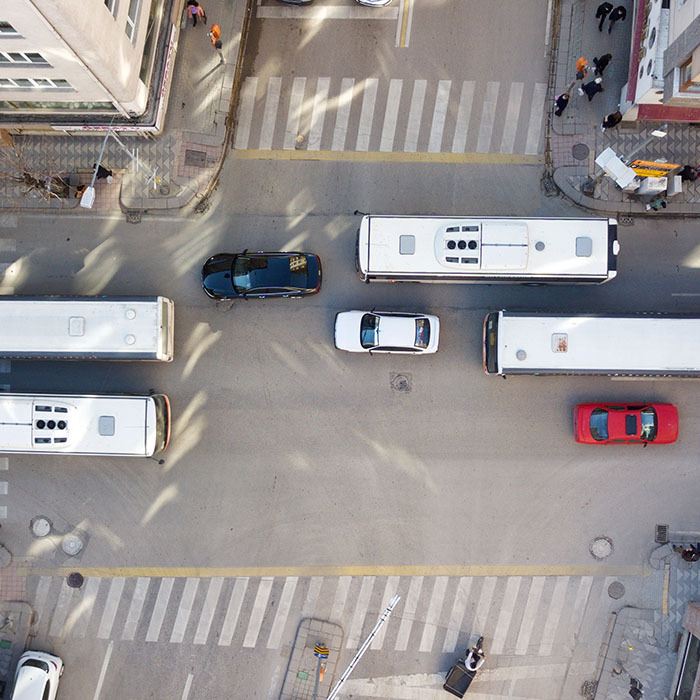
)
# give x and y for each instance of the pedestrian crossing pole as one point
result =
(363, 648)
(322, 653)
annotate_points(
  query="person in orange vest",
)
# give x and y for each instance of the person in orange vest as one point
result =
(214, 34)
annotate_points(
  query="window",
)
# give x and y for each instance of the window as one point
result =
(46, 106)
(131, 18)
(21, 57)
(112, 6)
(7, 29)
(686, 83)
(12, 83)
(369, 331)
(422, 333)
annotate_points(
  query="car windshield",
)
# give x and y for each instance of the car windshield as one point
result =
(649, 424)
(271, 272)
(369, 331)
(422, 332)
(37, 663)
(599, 424)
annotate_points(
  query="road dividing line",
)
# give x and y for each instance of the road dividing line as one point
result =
(390, 589)
(166, 587)
(409, 613)
(208, 609)
(103, 671)
(245, 112)
(505, 614)
(113, 597)
(188, 685)
(283, 607)
(360, 613)
(391, 115)
(403, 29)
(369, 97)
(555, 607)
(534, 129)
(512, 113)
(296, 104)
(415, 115)
(259, 606)
(341, 595)
(439, 114)
(488, 116)
(137, 600)
(323, 12)
(455, 624)
(342, 114)
(318, 114)
(432, 618)
(184, 610)
(272, 100)
(233, 611)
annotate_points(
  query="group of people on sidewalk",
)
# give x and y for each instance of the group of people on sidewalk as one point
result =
(196, 11)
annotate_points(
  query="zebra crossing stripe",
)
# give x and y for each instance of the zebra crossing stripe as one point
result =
(360, 613)
(528, 619)
(341, 595)
(208, 610)
(342, 115)
(409, 613)
(584, 590)
(466, 99)
(391, 115)
(4, 461)
(256, 617)
(390, 588)
(534, 129)
(285, 604)
(42, 593)
(309, 606)
(439, 114)
(137, 600)
(432, 617)
(369, 97)
(158, 615)
(415, 115)
(555, 608)
(113, 597)
(488, 116)
(245, 113)
(484, 604)
(184, 610)
(80, 616)
(267, 130)
(318, 114)
(233, 611)
(61, 610)
(455, 624)
(512, 113)
(296, 103)
(505, 614)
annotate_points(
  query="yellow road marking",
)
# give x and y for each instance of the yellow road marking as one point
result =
(305, 571)
(388, 157)
(404, 23)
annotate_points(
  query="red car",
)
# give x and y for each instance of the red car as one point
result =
(622, 423)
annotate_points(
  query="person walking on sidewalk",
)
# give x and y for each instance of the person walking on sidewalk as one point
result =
(601, 63)
(593, 88)
(561, 103)
(611, 121)
(192, 9)
(619, 13)
(202, 14)
(602, 12)
(214, 35)
(581, 68)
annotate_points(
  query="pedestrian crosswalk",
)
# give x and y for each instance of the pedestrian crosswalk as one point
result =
(410, 116)
(520, 615)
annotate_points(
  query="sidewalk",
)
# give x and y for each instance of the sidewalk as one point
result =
(575, 138)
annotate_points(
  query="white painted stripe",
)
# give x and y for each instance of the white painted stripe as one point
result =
(115, 593)
(208, 610)
(488, 116)
(553, 613)
(309, 607)
(342, 115)
(3, 488)
(512, 113)
(391, 114)
(528, 620)
(415, 115)
(137, 600)
(296, 103)
(321, 12)
(439, 114)
(256, 617)
(272, 100)
(184, 610)
(5, 366)
(409, 613)
(3, 512)
(80, 615)
(341, 596)
(233, 611)
(534, 129)
(390, 589)
(103, 671)
(318, 114)
(466, 99)
(360, 613)
(584, 589)
(548, 26)
(369, 97)
(409, 23)
(686, 294)
(432, 618)
(285, 603)
(61, 610)
(454, 626)
(484, 604)
(505, 614)
(188, 685)
(4, 463)
(42, 593)
(158, 615)
(246, 103)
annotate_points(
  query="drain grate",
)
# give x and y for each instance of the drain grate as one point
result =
(580, 151)
(661, 536)
(401, 383)
(198, 159)
(616, 590)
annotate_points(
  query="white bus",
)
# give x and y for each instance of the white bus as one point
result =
(653, 345)
(87, 328)
(72, 424)
(486, 249)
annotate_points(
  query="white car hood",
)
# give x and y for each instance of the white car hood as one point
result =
(347, 330)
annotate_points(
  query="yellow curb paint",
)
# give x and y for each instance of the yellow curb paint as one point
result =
(388, 157)
(306, 571)
(404, 23)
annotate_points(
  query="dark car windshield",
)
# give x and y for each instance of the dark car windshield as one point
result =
(369, 331)
(271, 272)
(599, 424)
(649, 424)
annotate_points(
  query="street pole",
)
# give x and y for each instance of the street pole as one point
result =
(88, 197)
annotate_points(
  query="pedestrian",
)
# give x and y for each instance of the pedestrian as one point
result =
(688, 173)
(202, 14)
(561, 103)
(192, 6)
(601, 63)
(611, 121)
(656, 204)
(103, 173)
(214, 35)
(581, 68)
(593, 88)
(619, 13)
(602, 12)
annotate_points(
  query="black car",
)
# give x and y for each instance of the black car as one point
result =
(229, 275)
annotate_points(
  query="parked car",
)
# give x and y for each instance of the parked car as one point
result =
(386, 331)
(622, 423)
(260, 275)
(37, 676)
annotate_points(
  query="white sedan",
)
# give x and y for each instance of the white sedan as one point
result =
(386, 331)
(37, 676)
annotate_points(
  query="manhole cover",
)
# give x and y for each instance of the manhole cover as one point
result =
(580, 151)
(196, 158)
(401, 383)
(75, 579)
(71, 545)
(616, 590)
(601, 547)
(40, 526)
